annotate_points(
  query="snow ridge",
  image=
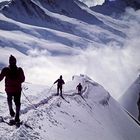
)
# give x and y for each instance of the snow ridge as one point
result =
(86, 117)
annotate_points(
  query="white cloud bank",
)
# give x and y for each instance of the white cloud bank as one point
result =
(114, 68)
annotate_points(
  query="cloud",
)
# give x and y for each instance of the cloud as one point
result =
(91, 3)
(113, 67)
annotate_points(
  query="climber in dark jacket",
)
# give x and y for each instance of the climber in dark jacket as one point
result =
(60, 83)
(79, 88)
(14, 77)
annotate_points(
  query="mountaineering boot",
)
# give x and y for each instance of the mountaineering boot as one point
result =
(17, 117)
(17, 121)
(61, 96)
(12, 122)
(18, 124)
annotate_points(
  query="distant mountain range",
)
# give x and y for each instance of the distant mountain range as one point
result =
(68, 8)
(115, 8)
(44, 13)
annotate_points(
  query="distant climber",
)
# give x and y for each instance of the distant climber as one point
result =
(138, 103)
(60, 82)
(14, 77)
(79, 88)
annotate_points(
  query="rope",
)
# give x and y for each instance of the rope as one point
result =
(31, 102)
(50, 89)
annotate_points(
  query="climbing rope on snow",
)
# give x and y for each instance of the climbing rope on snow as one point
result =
(30, 101)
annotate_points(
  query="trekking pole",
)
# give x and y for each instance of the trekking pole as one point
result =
(85, 101)
(50, 88)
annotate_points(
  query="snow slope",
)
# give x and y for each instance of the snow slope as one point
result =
(130, 98)
(43, 13)
(98, 116)
(59, 16)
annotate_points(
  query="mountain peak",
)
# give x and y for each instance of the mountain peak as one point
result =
(116, 7)
(22, 9)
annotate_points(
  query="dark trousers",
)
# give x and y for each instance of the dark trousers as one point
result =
(16, 98)
(59, 88)
(79, 92)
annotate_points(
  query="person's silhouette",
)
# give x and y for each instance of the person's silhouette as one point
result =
(14, 76)
(79, 88)
(60, 83)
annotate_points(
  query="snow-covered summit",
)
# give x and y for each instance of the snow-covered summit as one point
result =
(112, 8)
(38, 11)
(70, 31)
(97, 115)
